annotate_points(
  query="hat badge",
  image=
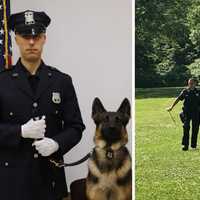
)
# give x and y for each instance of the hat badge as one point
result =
(29, 18)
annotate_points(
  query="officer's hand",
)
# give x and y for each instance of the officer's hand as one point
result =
(34, 129)
(169, 109)
(46, 146)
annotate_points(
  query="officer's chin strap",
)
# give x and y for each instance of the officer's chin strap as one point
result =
(61, 164)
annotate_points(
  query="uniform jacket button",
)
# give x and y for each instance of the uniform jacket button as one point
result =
(35, 155)
(11, 113)
(6, 164)
(35, 105)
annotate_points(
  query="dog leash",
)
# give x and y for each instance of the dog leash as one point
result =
(61, 164)
(172, 118)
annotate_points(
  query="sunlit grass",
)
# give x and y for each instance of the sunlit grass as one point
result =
(163, 170)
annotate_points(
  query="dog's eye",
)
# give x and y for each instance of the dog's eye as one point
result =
(117, 118)
(106, 118)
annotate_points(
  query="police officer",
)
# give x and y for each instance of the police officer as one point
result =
(40, 117)
(191, 98)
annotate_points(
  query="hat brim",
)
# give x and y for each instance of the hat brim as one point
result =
(31, 30)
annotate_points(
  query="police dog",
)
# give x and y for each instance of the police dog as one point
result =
(109, 176)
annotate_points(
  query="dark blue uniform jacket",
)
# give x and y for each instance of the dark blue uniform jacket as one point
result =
(23, 174)
(191, 100)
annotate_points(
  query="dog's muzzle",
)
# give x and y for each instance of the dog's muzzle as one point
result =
(111, 134)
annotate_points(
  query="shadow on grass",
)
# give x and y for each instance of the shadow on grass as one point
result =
(165, 92)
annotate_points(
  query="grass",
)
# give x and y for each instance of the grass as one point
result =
(163, 170)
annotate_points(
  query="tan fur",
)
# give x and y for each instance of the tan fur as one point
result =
(109, 176)
(98, 192)
(124, 169)
(122, 142)
(107, 180)
(99, 142)
(94, 169)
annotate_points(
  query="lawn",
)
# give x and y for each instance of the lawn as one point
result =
(163, 170)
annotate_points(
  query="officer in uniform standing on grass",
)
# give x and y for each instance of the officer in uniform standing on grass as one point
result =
(191, 97)
(40, 117)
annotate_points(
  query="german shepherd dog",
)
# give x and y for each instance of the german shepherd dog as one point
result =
(109, 176)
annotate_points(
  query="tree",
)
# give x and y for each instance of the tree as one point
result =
(164, 46)
(195, 69)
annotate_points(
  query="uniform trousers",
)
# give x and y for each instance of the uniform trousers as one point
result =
(194, 117)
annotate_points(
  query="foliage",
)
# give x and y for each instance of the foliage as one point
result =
(195, 68)
(166, 41)
(193, 18)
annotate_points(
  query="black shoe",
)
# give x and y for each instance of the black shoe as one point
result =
(194, 148)
(185, 148)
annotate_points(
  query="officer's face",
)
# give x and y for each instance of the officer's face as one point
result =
(31, 46)
(191, 84)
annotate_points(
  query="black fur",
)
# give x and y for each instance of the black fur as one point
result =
(126, 179)
(110, 156)
(92, 178)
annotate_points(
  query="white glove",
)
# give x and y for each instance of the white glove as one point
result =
(46, 146)
(34, 129)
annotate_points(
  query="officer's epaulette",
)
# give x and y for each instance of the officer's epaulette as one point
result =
(57, 70)
(53, 69)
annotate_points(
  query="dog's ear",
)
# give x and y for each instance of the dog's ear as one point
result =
(97, 107)
(125, 110)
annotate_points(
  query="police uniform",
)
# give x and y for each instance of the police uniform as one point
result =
(191, 99)
(24, 174)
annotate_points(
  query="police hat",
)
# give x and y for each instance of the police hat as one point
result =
(29, 22)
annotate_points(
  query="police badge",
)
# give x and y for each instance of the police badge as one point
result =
(29, 17)
(56, 97)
